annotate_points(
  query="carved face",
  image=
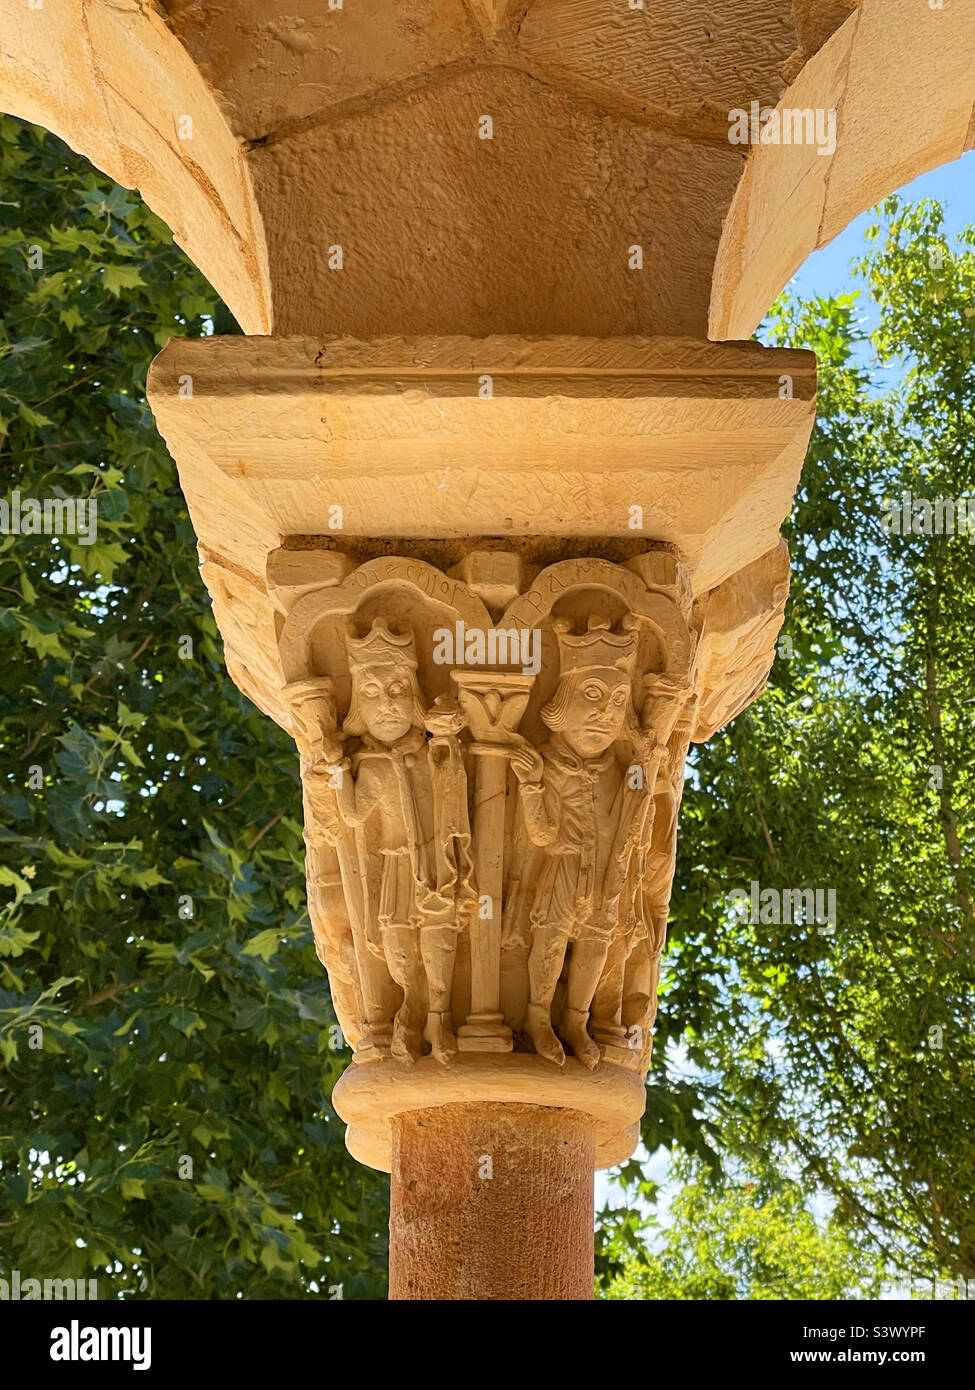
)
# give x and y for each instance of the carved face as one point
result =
(595, 711)
(386, 701)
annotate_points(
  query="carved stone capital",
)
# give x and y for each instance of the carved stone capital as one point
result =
(491, 802)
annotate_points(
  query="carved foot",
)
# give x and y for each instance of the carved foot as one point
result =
(440, 1036)
(406, 1041)
(538, 1025)
(576, 1034)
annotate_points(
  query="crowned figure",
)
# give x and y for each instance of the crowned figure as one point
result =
(406, 799)
(579, 822)
(360, 984)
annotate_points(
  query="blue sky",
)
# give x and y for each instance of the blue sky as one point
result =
(827, 271)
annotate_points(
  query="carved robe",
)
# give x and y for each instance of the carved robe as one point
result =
(409, 810)
(572, 851)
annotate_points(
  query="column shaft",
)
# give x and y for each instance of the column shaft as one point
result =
(492, 1201)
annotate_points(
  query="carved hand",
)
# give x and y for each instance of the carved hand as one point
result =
(527, 764)
(333, 752)
(444, 718)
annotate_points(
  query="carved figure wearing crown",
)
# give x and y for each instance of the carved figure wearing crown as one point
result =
(581, 826)
(362, 988)
(406, 799)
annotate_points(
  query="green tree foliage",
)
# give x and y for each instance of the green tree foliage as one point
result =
(743, 1240)
(152, 909)
(847, 1056)
(160, 999)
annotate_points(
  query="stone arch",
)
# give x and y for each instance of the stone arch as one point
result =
(900, 76)
(114, 82)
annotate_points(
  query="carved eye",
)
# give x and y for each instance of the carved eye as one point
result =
(593, 691)
(620, 697)
(396, 689)
(372, 690)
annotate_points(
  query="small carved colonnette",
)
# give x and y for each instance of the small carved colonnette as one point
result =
(492, 765)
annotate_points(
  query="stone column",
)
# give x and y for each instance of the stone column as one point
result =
(493, 626)
(489, 240)
(481, 1197)
(493, 706)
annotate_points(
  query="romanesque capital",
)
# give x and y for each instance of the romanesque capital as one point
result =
(492, 761)
(493, 588)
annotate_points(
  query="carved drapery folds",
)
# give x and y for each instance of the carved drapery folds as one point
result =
(492, 773)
